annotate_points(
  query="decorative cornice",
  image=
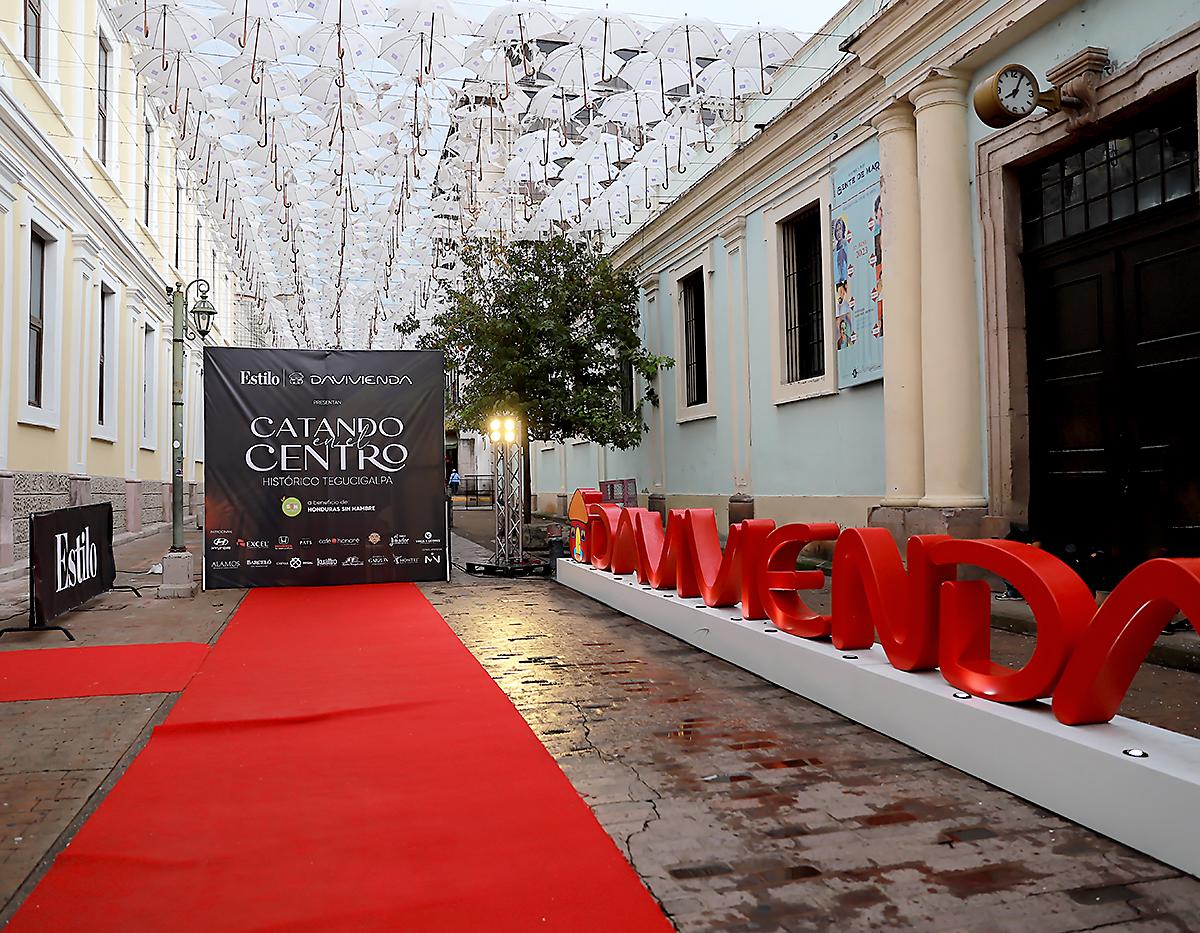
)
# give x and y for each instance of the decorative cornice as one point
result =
(139, 296)
(1077, 79)
(897, 116)
(941, 86)
(11, 175)
(733, 230)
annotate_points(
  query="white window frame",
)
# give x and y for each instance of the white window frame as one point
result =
(702, 261)
(108, 430)
(49, 414)
(814, 192)
(47, 80)
(146, 216)
(148, 430)
(108, 37)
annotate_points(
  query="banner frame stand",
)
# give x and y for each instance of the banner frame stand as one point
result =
(34, 625)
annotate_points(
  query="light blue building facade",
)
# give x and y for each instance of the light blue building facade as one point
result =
(846, 285)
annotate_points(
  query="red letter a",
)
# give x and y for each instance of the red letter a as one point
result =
(1116, 642)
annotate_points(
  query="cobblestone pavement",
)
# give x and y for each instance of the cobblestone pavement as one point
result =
(59, 758)
(745, 807)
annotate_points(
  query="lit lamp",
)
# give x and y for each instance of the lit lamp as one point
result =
(503, 430)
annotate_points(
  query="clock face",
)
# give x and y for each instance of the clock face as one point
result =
(1016, 91)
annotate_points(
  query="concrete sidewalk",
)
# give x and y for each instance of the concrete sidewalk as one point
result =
(61, 757)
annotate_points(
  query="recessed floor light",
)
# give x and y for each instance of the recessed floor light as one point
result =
(1136, 753)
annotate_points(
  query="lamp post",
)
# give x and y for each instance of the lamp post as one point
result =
(177, 565)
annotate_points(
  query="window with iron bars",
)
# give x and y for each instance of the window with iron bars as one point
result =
(695, 337)
(803, 297)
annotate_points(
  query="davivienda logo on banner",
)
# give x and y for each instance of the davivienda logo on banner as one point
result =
(323, 467)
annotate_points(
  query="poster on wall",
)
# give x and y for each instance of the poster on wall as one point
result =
(323, 467)
(856, 217)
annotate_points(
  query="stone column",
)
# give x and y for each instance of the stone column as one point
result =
(133, 505)
(949, 316)
(903, 427)
(80, 489)
(7, 489)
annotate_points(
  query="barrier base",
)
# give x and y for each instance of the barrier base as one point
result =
(1135, 783)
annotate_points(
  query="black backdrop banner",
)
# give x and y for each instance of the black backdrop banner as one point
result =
(323, 467)
(70, 558)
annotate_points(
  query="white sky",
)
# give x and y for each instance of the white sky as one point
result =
(798, 15)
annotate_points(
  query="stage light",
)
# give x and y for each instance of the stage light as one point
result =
(509, 425)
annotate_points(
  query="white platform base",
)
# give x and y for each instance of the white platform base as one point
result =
(1149, 803)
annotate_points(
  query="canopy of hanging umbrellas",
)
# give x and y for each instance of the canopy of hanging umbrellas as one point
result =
(348, 148)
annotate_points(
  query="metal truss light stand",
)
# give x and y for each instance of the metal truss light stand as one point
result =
(509, 558)
(506, 473)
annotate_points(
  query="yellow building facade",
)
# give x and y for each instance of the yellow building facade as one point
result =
(95, 223)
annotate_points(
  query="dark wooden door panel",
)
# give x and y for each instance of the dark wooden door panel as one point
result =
(1162, 371)
(1071, 319)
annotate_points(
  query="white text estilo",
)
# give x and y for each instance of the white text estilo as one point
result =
(74, 564)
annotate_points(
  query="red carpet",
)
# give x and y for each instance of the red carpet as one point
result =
(342, 762)
(110, 670)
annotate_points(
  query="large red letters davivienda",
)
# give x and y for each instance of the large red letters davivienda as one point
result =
(923, 616)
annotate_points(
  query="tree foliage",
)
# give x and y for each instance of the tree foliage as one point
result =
(548, 330)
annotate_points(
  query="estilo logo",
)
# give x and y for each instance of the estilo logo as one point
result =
(264, 378)
(74, 564)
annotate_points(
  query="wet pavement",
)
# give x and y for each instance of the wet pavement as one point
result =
(741, 806)
(745, 807)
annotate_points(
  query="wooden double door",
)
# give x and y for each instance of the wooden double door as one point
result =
(1113, 330)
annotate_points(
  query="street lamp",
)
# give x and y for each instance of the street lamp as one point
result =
(177, 573)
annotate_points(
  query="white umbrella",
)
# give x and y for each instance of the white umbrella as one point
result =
(606, 32)
(345, 12)
(264, 36)
(432, 17)
(687, 39)
(756, 48)
(415, 55)
(635, 108)
(519, 22)
(722, 79)
(577, 68)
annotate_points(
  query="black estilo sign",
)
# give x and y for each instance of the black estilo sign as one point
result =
(70, 558)
(323, 467)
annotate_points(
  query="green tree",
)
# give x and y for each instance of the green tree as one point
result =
(546, 330)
